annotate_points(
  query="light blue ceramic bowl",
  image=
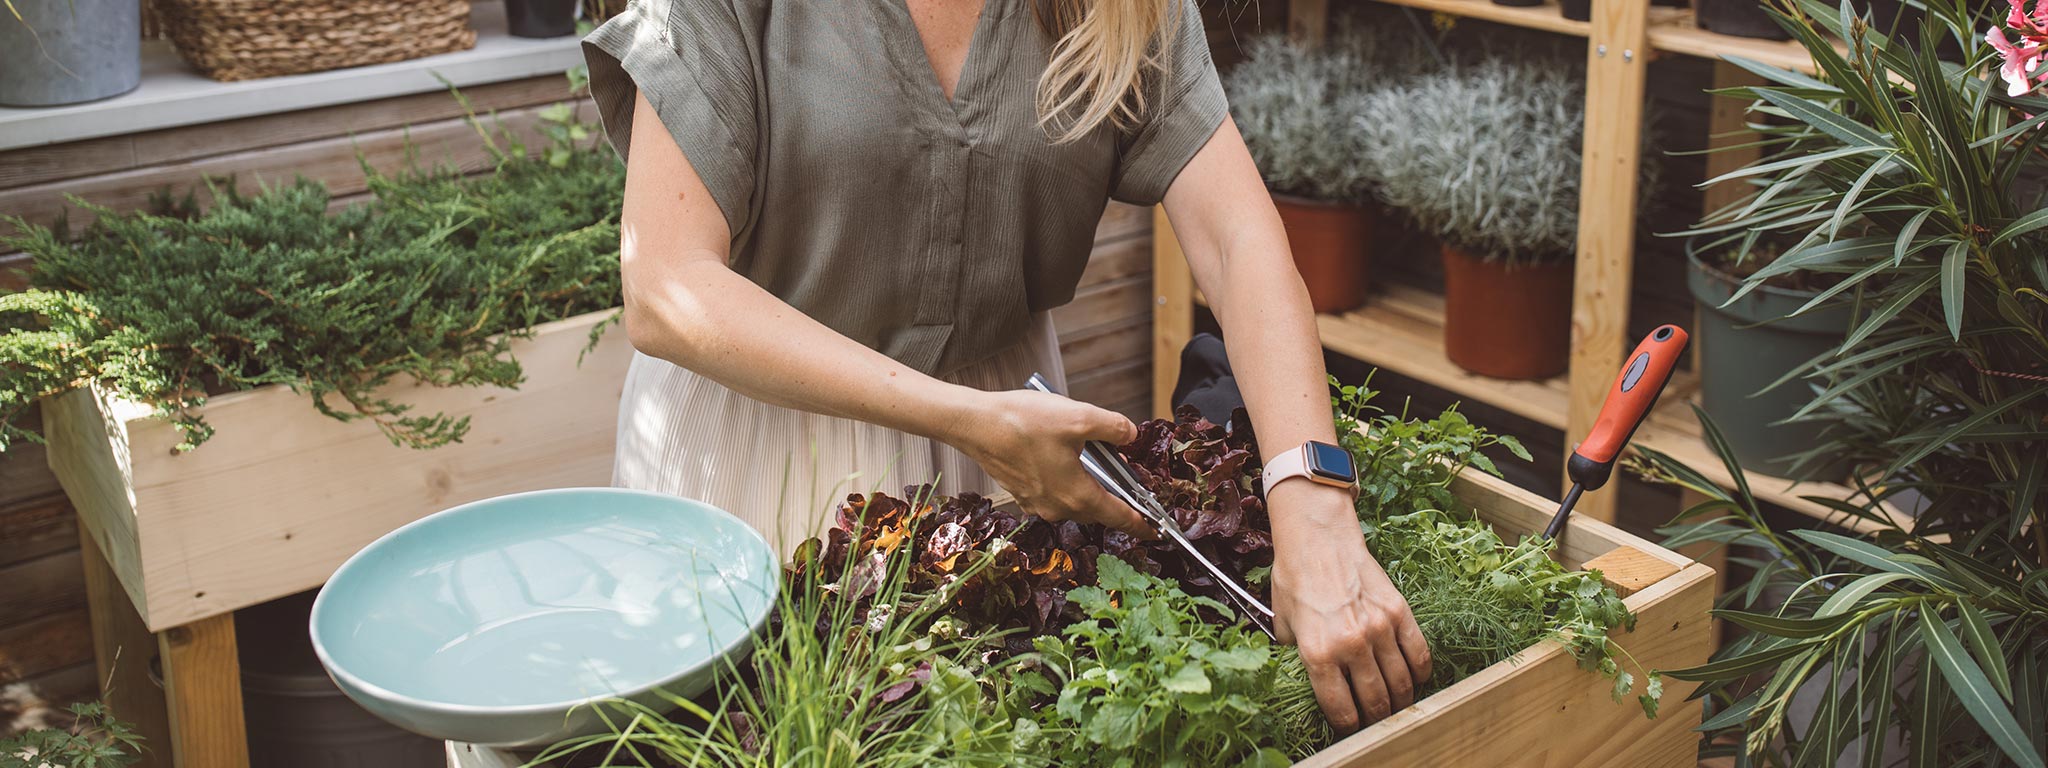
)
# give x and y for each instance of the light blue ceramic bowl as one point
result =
(507, 621)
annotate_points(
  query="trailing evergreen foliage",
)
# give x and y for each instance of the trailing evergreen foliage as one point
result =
(427, 282)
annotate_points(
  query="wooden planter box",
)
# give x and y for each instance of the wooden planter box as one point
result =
(1537, 709)
(281, 495)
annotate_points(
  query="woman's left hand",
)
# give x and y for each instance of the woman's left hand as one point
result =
(1364, 652)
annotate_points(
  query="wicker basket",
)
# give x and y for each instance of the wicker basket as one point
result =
(248, 39)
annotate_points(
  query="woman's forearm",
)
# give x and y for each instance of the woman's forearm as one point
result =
(698, 314)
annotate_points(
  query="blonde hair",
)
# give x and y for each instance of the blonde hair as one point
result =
(1107, 50)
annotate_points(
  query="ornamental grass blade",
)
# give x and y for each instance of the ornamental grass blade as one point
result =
(2021, 226)
(1907, 234)
(1952, 280)
(1784, 626)
(1737, 666)
(1924, 720)
(1851, 596)
(1727, 455)
(1889, 310)
(1825, 119)
(1780, 76)
(1969, 684)
(1984, 645)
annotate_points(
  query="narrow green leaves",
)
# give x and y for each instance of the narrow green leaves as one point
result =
(2023, 225)
(1967, 680)
(1952, 278)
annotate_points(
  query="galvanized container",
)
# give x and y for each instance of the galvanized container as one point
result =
(69, 51)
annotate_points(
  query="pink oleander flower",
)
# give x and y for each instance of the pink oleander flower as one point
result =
(2033, 25)
(2021, 59)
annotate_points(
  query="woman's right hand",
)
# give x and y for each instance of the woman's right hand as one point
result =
(1030, 442)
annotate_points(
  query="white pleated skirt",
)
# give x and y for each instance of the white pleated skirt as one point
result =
(783, 470)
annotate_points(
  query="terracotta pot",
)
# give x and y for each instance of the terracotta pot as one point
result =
(1331, 244)
(1507, 321)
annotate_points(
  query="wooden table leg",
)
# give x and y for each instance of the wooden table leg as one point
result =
(122, 647)
(203, 683)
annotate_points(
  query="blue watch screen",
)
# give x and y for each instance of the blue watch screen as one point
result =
(1331, 462)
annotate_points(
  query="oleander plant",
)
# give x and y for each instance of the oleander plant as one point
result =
(1910, 181)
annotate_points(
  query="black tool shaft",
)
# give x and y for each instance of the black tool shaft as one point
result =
(1571, 499)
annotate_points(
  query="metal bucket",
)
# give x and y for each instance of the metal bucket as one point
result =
(296, 716)
(69, 51)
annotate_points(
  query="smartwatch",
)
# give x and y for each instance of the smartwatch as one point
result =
(1317, 462)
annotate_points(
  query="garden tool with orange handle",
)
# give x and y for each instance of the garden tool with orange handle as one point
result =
(1634, 394)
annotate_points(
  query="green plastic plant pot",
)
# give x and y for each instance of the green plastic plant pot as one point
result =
(1745, 346)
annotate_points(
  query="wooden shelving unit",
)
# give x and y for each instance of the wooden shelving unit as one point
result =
(1400, 330)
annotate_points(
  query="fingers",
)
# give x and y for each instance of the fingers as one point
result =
(1369, 689)
(1106, 425)
(1098, 506)
(1333, 692)
(1414, 647)
(1399, 685)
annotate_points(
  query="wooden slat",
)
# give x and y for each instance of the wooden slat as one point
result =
(47, 585)
(1727, 132)
(1617, 61)
(1396, 330)
(203, 686)
(1115, 384)
(333, 162)
(1545, 17)
(51, 162)
(1173, 312)
(1107, 347)
(1628, 570)
(1678, 33)
(1105, 304)
(25, 473)
(1308, 21)
(42, 645)
(1120, 220)
(1117, 260)
(35, 528)
(122, 647)
(282, 494)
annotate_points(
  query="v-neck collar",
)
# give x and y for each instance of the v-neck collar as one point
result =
(908, 37)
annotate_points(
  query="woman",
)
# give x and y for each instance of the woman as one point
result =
(845, 222)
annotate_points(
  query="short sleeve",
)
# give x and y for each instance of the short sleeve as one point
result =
(694, 60)
(1186, 108)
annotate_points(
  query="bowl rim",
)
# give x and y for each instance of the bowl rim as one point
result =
(351, 680)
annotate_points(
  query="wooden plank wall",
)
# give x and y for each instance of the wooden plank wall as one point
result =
(45, 641)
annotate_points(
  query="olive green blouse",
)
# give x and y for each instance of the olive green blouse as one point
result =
(927, 229)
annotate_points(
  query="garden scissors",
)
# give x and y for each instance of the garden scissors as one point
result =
(1110, 470)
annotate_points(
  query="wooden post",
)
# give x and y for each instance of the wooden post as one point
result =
(1173, 311)
(1308, 21)
(1617, 57)
(122, 648)
(1727, 126)
(203, 684)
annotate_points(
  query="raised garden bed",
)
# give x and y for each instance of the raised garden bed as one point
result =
(1538, 708)
(274, 502)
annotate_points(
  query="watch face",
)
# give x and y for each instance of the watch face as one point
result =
(1329, 461)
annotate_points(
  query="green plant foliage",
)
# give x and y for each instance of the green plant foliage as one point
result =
(428, 282)
(95, 740)
(1295, 106)
(1912, 184)
(878, 681)
(1146, 680)
(1485, 152)
(1478, 598)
